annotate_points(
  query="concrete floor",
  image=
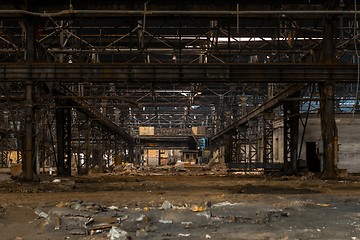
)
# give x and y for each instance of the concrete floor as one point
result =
(163, 204)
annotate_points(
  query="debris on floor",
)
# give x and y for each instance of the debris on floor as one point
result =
(112, 206)
(80, 218)
(272, 215)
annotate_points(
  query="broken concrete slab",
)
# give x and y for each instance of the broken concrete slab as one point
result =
(271, 215)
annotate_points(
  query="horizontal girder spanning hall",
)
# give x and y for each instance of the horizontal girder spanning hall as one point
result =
(124, 13)
(179, 73)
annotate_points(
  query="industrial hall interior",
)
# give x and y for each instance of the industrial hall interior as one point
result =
(154, 119)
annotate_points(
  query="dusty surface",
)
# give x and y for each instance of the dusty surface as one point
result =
(201, 206)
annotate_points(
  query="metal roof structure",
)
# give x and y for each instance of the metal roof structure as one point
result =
(167, 64)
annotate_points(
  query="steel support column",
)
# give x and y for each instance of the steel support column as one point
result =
(4, 159)
(116, 151)
(228, 145)
(268, 140)
(88, 145)
(327, 106)
(328, 130)
(239, 149)
(63, 133)
(291, 134)
(28, 173)
(138, 156)
(131, 153)
(252, 134)
(28, 160)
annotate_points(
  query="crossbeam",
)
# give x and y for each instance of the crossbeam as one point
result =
(94, 114)
(179, 73)
(124, 13)
(270, 104)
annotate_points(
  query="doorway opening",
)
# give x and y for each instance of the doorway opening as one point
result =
(312, 158)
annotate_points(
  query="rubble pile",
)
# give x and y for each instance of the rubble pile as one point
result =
(83, 219)
(177, 169)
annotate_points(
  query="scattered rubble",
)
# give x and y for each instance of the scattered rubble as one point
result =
(165, 221)
(116, 233)
(87, 219)
(181, 208)
(267, 216)
(40, 213)
(166, 205)
(179, 168)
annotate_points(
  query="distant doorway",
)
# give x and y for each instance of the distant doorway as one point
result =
(312, 158)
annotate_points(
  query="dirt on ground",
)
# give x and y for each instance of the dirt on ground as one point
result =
(187, 204)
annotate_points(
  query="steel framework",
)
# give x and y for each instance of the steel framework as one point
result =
(115, 67)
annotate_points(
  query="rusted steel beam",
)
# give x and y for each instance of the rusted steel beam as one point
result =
(270, 104)
(198, 13)
(179, 73)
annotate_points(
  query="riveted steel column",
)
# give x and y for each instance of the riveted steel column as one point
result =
(131, 153)
(28, 163)
(28, 173)
(327, 106)
(63, 133)
(88, 145)
(291, 135)
(328, 130)
(268, 132)
(228, 147)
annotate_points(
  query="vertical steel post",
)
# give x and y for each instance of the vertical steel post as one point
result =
(252, 137)
(328, 130)
(327, 106)
(28, 166)
(228, 147)
(268, 139)
(131, 153)
(291, 135)
(88, 147)
(63, 133)
(28, 161)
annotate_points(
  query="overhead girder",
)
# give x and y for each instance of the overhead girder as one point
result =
(187, 36)
(106, 13)
(179, 73)
(162, 142)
